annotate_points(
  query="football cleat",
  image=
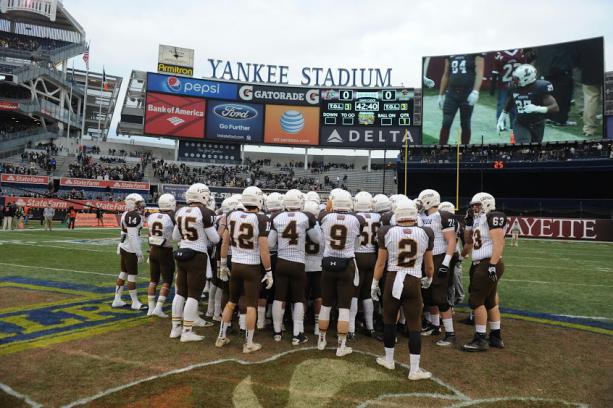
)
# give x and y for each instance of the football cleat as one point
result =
(159, 313)
(118, 303)
(478, 343)
(276, 336)
(175, 332)
(299, 339)
(190, 336)
(382, 361)
(200, 322)
(447, 341)
(217, 318)
(496, 342)
(137, 306)
(250, 348)
(343, 351)
(150, 311)
(261, 326)
(220, 342)
(321, 344)
(431, 330)
(420, 374)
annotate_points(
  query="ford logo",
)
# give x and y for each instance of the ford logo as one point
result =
(234, 111)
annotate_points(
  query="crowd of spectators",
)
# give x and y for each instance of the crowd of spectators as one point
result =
(28, 43)
(12, 168)
(86, 167)
(8, 127)
(43, 159)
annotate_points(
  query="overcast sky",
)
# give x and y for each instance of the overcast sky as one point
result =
(125, 34)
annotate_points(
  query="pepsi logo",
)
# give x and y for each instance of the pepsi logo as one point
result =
(235, 111)
(173, 83)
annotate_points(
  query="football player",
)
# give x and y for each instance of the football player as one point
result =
(455, 293)
(314, 253)
(443, 226)
(289, 230)
(487, 242)
(366, 257)
(161, 261)
(247, 233)
(129, 250)
(505, 62)
(403, 248)
(532, 100)
(339, 277)
(459, 90)
(274, 206)
(194, 229)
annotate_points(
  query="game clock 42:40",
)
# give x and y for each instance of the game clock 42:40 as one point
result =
(369, 107)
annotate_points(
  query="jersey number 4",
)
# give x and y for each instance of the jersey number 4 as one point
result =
(290, 232)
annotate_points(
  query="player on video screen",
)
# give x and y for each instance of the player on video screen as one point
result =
(505, 63)
(533, 101)
(460, 85)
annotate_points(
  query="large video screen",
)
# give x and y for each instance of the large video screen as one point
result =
(525, 95)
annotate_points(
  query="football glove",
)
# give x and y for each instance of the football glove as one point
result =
(468, 218)
(375, 292)
(503, 122)
(268, 279)
(473, 97)
(491, 271)
(441, 101)
(443, 271)
(535, 109)
(426, 282)
(428, 83)
(224, 271)
(141, 258)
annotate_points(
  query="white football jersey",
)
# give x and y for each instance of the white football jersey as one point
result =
(340, 231)
(482, 241)
(439, 222)
(245, 230)
(368, 243)
(161, 226)
(314, 253)
(195, 228)
(406, 247)
(289, 231)
(131, 224)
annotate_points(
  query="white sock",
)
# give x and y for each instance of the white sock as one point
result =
(261, 316)
(480, 328)
(316, 327)
(249, 337)
(369, 309)
(210, 307)
(298, 318)
(118, 292)
(389, 355)
(133, 295)
(218, 296)
(160, 303)
(222, 329)
(242, 318)
(277, 315)
(190, 313)
(495, 325)
(448, 323)
(177, 310)
(207, 286)
(414, 361)
(353, 311)
(322, 335)
(428, 316)
(342, 341)
(151, 301)
(436, 320)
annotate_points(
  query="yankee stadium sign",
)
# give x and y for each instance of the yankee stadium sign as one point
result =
(311, 76)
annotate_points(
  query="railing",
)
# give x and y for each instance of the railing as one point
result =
(50, 109)
(66, 52)
(30, 72)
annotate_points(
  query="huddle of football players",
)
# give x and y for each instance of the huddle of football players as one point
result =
(398, 258)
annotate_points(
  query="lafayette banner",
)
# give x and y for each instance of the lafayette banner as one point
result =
(584, 229)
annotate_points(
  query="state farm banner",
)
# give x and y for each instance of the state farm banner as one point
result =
(563, 228)
(58, 204)
(24, 179)
(114, 184)
(9, 106)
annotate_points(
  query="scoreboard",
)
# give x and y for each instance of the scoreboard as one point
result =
(367, 107)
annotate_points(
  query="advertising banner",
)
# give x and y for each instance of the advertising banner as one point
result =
(190, 86)
(213, 152)
(9, 106)
(24, 179)
(369, 137)
(278, 95)
(234, 122)
(583, 229)
(112, 206)
(291, 125)
(176, 116)
(90, 220)
(114, 184)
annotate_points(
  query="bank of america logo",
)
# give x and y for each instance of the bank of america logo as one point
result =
(175, 121)
(335, 137)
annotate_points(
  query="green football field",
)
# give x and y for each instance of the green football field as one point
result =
(554, 277)
(484, 122)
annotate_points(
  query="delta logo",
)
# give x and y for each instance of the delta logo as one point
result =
(174, 84)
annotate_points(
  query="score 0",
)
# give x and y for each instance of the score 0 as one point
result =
(388, 95)
(346, 95)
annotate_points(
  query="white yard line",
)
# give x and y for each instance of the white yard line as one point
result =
(65, 270)
(508, 399)
(20, 396)
(556, 283)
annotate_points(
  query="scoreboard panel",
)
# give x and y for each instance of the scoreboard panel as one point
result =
(391, 107)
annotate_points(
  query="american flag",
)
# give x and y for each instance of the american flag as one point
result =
(86, 57)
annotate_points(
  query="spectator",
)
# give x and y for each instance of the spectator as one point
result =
(72, 217)
(9, 212)
(48, 214)
(99, 217)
